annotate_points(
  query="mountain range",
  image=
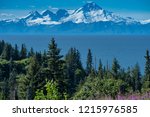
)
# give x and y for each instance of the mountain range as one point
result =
(90, 18)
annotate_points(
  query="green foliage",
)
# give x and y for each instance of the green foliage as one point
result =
(23, 52)
(4, 89)
(32, 73)
(136, 78)
(52, 92)
(95, 88)
(100, 70)
(115, 68)
(7, 52)
(54, 61)
(147, 70)
(2, 44)
(16, 54)
(40, 95)
(22, 83)
(74, 70)
(12, 85)
(31, 53)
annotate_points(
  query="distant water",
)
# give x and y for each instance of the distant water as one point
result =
(127, 49)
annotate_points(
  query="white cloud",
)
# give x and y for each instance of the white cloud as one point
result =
(6, 15)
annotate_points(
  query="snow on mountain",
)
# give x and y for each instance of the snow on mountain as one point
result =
(33, 15)
(61, 13)
(48, 13)
(45, 18)
(145, 21)
(90, 13)
(44, 21)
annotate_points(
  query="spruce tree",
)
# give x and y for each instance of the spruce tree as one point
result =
(55, 66)
(32, 73)
(115, 68)
(44, 59)
(74, 70)
(136, 78)
(147, 69)
(5, 89)
(31, 52)
(89, 62)
(2, 44)
(16, 53)
(7, 52)
(12, 85)
(23, 52)
(55, 61)
(22, 87)
(128, 78)
(100, 70)
(38, 56)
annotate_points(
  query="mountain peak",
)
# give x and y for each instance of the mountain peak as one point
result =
(62, 13)
(47, 12)
(33, 15)
(89, 6)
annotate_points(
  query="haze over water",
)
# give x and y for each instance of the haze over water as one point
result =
(129, 50)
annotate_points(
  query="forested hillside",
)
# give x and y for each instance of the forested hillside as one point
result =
(27, 74)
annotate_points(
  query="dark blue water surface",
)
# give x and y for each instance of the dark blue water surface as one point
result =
(127, 49)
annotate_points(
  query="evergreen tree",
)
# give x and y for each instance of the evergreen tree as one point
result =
(23, 86)
(147, 69)
(5, 89)
(23, 52)
(55, 62)
(136, 78)
(16, 53)
(89, 62)
(115, 68)
(32, 72)
(44, 59)
(2, 44)
(12, 85)
(7, 52)
(128, 78)
(74, 69)
(100, 70)
(55, 65)
(31, 52)
(38, 56)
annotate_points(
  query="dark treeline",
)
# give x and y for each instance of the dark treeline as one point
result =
(50, 75)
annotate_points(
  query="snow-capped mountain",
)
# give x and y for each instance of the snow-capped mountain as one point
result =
(90, 17)
(89, 13)
(48, 13)
(61, 13)
(47, 17)
(33, 15)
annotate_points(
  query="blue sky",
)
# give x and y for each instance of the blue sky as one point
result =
(136, 8)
